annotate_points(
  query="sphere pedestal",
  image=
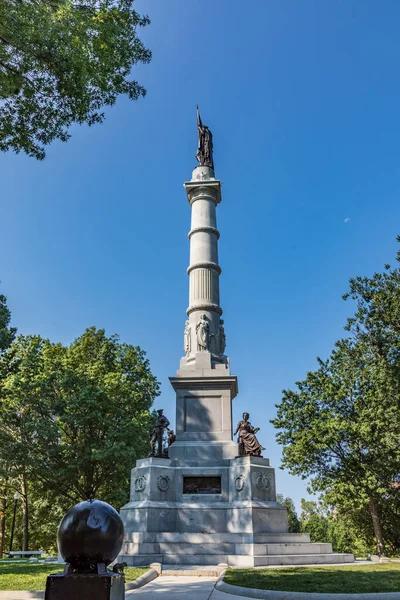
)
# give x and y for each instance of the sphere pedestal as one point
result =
(85, 586)
(89, 538)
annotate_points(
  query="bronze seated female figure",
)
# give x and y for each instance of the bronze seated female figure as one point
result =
(247, 441)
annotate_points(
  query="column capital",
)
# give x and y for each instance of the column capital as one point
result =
(208, 190)
(203, 184)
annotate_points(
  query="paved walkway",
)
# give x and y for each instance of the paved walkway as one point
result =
(202, 588)
(181, 588)
(177, 588)
(174, 588)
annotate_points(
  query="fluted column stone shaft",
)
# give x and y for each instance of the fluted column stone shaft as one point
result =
(204, 328)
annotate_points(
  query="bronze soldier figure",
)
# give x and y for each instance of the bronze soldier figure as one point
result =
(160, 424)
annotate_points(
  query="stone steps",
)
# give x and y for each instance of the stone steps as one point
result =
(192, 571)
(143, 560)
(211, 538)
(295, 559)
(236, 560)
(291, 549)
(235, 549)
(186, 548)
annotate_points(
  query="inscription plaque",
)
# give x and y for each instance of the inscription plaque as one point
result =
(202, 485)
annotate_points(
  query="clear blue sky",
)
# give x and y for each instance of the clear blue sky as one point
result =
(303, 99)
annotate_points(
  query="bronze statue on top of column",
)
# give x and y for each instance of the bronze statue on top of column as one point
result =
(204, 152)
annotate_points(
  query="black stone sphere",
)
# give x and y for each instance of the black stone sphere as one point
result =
(90, 533)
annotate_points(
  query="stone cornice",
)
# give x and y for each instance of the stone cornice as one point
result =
(203, 383)
(200, 187)
(204, 265)
(221, 380)
(205, 230)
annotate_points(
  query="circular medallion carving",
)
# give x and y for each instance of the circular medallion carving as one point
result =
(163, 482)
(263, 481)
(239, 483)
(139, 483)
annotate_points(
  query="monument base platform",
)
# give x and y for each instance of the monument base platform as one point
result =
(234, 549)
(191, 513)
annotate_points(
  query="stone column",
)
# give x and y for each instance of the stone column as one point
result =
(203, 384)
(204, 337)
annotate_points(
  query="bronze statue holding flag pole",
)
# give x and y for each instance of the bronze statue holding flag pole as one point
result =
(204, 152)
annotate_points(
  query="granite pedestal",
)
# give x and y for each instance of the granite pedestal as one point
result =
(240, 523)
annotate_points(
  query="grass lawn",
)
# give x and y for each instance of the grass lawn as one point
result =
(132, 573)
(346, 580)
(33, 576)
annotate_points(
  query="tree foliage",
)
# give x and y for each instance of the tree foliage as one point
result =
(344, 531)
(327, 525)
(62, 62)
(314, 521)
(293, 519)
(341, 427)
(74, 419)
(7, 333)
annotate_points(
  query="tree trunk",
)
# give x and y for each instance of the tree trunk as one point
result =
(25, 513)
(3, 507)
(377, 526)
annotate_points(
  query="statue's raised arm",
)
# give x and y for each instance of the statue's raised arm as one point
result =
(204, 152)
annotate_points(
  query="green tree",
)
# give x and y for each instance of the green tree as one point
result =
(62, 62)
(7, 335)
(293, 519)
(314, 521)
(325, 525)
(342, 426)
(347, 534)
(73, 420)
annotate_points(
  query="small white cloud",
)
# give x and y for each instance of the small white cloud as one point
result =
(347, 219)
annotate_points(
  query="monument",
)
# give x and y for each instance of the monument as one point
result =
(212, 500)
